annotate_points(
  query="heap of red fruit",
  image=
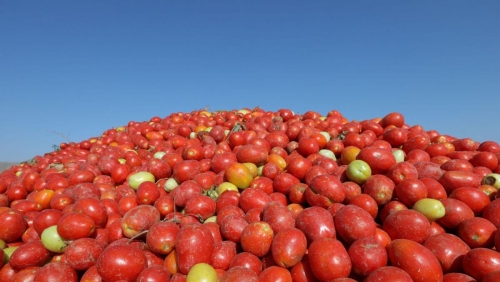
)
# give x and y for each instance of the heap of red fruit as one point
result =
(254, 195)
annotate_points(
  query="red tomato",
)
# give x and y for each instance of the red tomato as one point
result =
(380, 188)
(288, 247)
(479, 262)
(476, 199)
(329, 259)
(449, 249)
(407, 224)
(275, 274)
(256, 238)
(315, 222)
(456, 211)
(352, 223)
(477, 232)
(379, 160)
(415, 259)
(194, 244)
(367, 254)
(388, 273)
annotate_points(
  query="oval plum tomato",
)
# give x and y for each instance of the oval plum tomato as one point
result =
(194, 244)
(253, 198)
(239, 273)
(477, 232)
(278, 216)
(452, 180)
(315, 222)
(415, 259)
(223, 253)
(402, 171)
(476, 199)
(121, 262)
(409, 191)
(185, 170)
(328, 186)
(395, 136)
(329, 259)
(28, 255)
(388, 273)
(394, 118)
(308, 146)
(367, 254)
(247, 260)
(256, 238)
(407, 224)
(353, 222)
(479, 262)
(54, 271)
(298, 167)
(252, 154)
(380, 188)
(239, 175)
(161, 237)
(449, 249)
(456, 211)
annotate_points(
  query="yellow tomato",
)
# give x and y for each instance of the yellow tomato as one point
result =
(202, 272)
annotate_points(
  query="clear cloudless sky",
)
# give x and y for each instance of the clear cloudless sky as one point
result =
(73, 69)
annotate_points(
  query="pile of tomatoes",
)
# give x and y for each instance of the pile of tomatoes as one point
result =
(255, 195)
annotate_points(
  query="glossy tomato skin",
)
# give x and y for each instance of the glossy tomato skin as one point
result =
(492, 212)
(476, 199)
(256, 238)
(367, 254)
(449, 249)
(418, 261)
(247, 260)
(278, 216)
(409, 191)
(288, 247)
(121, 261)
(301, 272)
(380, 188)
(407, 224)
(12, 226)
(477, 232)
(328, 186)
(452, 180)
(379, 160)
(315, 222)
(388, 273)
(29, 254)
(194, 244)
(480, 261)
(223, 253)
(239, 273)
(458, 277)
(56, 271)
(329, 259)
(456, 211)
(353, 222)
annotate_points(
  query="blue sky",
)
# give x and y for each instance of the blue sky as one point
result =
(78, 68)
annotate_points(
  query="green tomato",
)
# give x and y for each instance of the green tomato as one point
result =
(328, 153)
(492, 179)
(7, 252)
(52, 240)
(137, 178)
(358, 171)
(431, 208)
(399, 155)
(202, 272)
